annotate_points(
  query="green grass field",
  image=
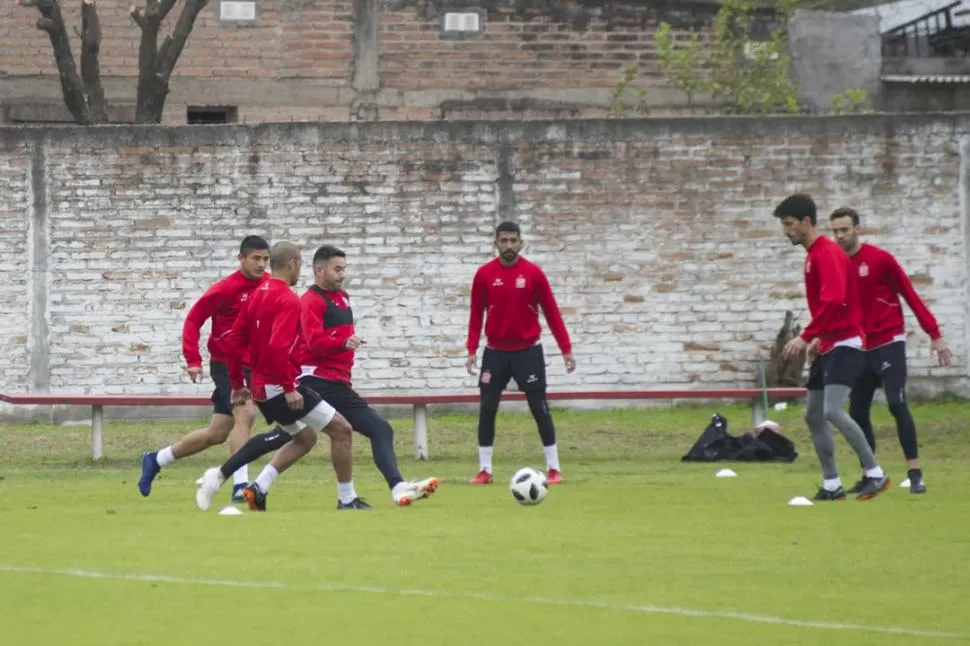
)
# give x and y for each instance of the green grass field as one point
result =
(635, 548)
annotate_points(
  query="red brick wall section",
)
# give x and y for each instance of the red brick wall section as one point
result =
(289, 39)
(656, 235)
(526, 46)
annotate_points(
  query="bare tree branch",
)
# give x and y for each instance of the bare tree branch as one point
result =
(180, 34)
(155, 63)
(52, 22)
(166, 7)
(90, 63)
(137, 16)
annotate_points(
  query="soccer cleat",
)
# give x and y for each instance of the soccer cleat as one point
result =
(237, 492)
(483, 477)
(825, 494)
(857, 487)
(404, 494)
(149, 469)
(916, 484)
(554, 476)
(873, 487)
(427, 487)
(356, 503)
(211, 482)
(254, 497)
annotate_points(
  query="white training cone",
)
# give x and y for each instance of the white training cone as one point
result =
(230, 511)
(799, 501)
(725, 473)
(904, 484)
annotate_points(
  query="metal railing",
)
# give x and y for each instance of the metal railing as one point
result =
(932, 34)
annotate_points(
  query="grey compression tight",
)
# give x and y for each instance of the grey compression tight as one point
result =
(828, 406)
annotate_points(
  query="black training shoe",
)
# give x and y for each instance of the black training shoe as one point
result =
(858, 486)
(916, 485)
(254, 497)
(873, 487)
(825, 494)
(356, 503)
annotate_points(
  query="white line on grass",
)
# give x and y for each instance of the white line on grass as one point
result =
(457, 594)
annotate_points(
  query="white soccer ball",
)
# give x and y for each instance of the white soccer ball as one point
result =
(529, 486)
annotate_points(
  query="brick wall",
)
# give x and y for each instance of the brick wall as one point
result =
(297, 60)
(288, 39)
(657, 237)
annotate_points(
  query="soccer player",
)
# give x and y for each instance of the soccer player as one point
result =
(220, 303)
(267, 330)
(833, 341)
(881, 282)
(327, 322)
(511, 290)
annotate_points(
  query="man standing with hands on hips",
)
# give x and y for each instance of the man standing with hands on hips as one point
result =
(511, 290)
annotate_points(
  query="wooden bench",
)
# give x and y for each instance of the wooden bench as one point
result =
(419, 403)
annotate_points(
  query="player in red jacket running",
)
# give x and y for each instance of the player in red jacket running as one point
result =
(220, 304)
(508, 293)
(833, 339)
(267, 331)
(881, 282)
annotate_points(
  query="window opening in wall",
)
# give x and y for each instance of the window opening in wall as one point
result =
(208, 115)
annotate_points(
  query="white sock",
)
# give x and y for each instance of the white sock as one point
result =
(552, 457)
(345, 492)
(875, 472)
(165, 457)
(832, 485)
(265, 477)
(485, 458)
(241, 476)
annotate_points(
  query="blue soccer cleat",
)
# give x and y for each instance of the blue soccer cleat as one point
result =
(149, 469)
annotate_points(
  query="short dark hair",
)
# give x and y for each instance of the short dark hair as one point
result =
(798, 206)
(845, 212)
(508, 227)
(251, 244)
(326, 252)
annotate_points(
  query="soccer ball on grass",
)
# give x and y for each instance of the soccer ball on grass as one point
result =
(528, 486)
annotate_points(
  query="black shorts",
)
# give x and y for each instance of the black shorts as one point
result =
(840, 366)
(338, 394)
(222, 395)
(276, 410)
(885, 368)
(527, 367)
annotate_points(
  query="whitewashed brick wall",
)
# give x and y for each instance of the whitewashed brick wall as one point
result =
(657, 237)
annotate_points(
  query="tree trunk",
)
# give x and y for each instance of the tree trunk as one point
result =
(155, 64)
(90, 65)
(52, 22)
(83, 95)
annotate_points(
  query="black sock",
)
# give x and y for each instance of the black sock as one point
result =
(914, 475)
(256, 447)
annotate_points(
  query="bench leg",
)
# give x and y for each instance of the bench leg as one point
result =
(97, 431)
(420, 432)
(757, 412)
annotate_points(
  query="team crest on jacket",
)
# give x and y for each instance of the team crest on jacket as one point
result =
(520, 282)
(863, 270)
